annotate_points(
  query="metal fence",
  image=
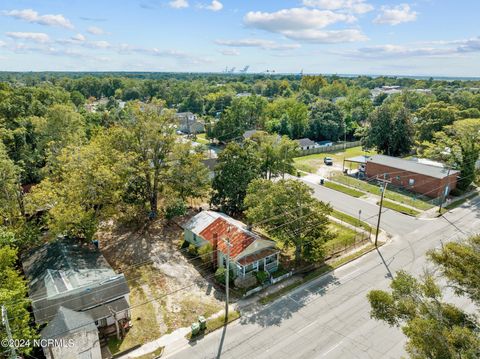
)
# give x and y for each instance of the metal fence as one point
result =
(326, 149)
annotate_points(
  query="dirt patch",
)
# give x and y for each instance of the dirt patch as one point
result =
(177, 287)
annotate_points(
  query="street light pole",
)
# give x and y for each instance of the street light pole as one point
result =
(444, 194)
(227, 276)
(384, 188)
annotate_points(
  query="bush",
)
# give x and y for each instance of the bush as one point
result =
(204, 252)
(262, 276)
(192, 250)
(178, 208)
(220, 275)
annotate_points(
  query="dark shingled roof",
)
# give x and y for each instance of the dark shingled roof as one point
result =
(72, 274)
(411, 166)
(68, 321)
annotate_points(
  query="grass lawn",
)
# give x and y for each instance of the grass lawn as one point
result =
(312, 163)
(399, 208)
(351, 220)
(144, 329)
(410, 199)
(317, 273)
(347, 190)
(344, 237)
(201, 138)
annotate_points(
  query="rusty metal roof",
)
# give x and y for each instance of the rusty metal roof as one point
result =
(240, 238)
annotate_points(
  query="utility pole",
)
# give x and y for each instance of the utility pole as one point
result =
(444, 194)
(384, 188)
(227, 276)
(13, 354)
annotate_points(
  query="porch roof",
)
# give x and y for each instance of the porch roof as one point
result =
(257, 256)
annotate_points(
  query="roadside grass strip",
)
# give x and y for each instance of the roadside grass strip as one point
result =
(214, 324)
(344, 189)
(409, 200)
(399, 208)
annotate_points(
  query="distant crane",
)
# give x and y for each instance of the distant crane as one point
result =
(245, 69)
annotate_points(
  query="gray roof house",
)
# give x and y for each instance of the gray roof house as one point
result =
(67, 273)
(189, 123)
(306, 143)
(71, 326)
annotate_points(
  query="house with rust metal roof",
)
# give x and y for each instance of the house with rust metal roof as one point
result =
(249, 251)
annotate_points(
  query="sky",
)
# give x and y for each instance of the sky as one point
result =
(418, 37)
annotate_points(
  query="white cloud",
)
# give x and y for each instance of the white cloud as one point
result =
(32, 16)
(354, 6)
(230, 52)
(95, 30)
(294, 19)
(78, 38)
(259, 43)
(326, 37)
(98, 44)
(302, 24)
(215, 5)
(394, 15)
(179, 4)
(39, 37)
(2, 43)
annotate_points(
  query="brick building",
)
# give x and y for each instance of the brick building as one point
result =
(425, 179)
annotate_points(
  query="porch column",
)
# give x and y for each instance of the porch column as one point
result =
(243, 270)
(265, 264)
(277, 258)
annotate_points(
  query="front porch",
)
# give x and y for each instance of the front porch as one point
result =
(256, 263)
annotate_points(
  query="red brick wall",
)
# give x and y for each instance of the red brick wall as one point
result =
(426, 185)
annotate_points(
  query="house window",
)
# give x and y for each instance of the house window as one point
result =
(386, 175)
(398, 178)
(411, 181)
(271, 259)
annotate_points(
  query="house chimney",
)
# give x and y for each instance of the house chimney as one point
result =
(214, 254)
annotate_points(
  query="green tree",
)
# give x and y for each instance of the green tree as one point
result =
(460, 264)
(276, 154)
(86, 185)
(289, 213)
(13, 294)
(434, 328)
(188, 176)
(11, 197)
(389, 130)
(237, 166)
(355, 108)
(458, 145)
(60, 127)
(287, 116)
(325, 121)
(312, 84)
(245, 113)
(432, 118)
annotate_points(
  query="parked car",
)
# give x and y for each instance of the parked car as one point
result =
(328, 161)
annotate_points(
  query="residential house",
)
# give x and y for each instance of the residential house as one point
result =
(74, 275)
(426, 179)
(306, 144)
(249, 251)
(189, 123)
(78, 333)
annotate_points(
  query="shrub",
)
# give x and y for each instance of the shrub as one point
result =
(262, 276)
(177, 208)
(204, 252)
(220, 275)
(192, 249)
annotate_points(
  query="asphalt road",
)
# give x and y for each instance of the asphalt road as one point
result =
(329, 317)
